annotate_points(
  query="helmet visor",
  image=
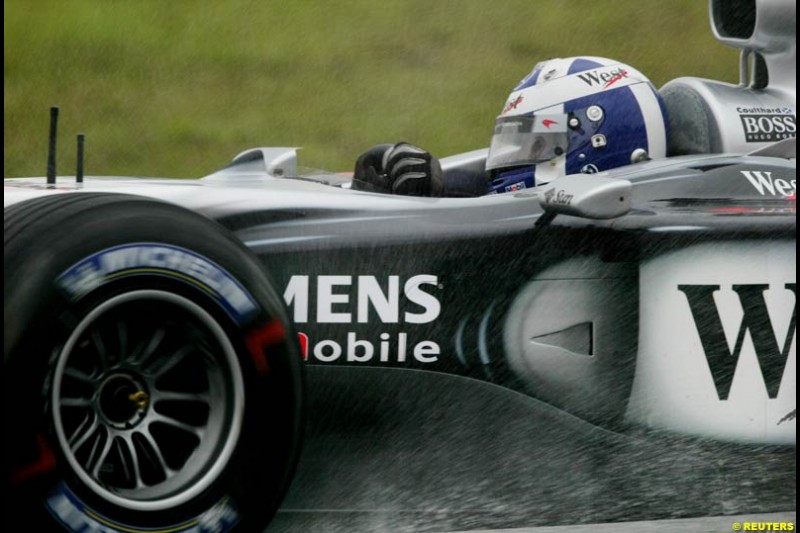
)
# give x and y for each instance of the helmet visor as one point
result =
(527, 140)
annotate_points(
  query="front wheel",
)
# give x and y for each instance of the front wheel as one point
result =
(149, 369)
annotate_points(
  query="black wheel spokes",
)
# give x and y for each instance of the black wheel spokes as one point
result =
(100, 350)
(85, 431)
(147, 348)
(139, 456)
(99, 451)
(143, 406)
(122, 339)
(161, 366)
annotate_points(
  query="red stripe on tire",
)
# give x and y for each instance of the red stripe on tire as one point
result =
(269, 334)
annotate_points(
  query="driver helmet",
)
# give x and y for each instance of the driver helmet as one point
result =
(580, 114)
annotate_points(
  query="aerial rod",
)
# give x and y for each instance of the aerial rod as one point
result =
(51, 151)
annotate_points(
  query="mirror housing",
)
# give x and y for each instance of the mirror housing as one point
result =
(586, 196)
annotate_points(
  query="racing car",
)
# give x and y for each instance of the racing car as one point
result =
(156, 331)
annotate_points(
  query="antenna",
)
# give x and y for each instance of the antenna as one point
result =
(51, 152)
(79, 169)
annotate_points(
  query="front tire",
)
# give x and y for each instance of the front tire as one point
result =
(150, 369)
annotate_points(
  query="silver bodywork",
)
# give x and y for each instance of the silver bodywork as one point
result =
(718, 117)
(619, 250)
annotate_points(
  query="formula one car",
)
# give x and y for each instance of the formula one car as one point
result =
(155, 330)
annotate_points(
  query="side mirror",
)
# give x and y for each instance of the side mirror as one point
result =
(259, 163)
(585, 196)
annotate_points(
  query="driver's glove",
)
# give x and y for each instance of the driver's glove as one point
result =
(399, 168)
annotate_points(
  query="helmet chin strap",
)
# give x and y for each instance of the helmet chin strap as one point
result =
(550, 170)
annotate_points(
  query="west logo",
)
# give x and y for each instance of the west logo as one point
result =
(606, 79)
(512, 104)
(722, 361)
(765, 183)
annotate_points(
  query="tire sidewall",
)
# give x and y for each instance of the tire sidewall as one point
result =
(257, 474)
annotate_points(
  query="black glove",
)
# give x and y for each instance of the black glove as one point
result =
(398, 169)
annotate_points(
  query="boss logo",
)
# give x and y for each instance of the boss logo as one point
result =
(768, 128)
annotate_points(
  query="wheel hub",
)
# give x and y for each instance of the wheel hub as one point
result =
(148, 400)
(123, 400)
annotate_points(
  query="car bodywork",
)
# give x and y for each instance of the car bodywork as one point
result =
(658, 296)
(613, 320)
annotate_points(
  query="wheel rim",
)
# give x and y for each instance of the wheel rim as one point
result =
(147, 400)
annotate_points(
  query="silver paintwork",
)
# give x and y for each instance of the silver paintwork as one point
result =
(258, 163)
(774, 37)
(230, 191)
(587, 196)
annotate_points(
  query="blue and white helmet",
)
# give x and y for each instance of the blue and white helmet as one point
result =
(580, 114)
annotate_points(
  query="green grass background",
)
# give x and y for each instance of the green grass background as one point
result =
(177, 88)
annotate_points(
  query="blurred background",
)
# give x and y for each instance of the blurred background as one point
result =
(177, 88)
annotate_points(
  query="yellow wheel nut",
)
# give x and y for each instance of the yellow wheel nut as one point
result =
(140, 398)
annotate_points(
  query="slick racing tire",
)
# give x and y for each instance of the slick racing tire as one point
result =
(151, 379)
